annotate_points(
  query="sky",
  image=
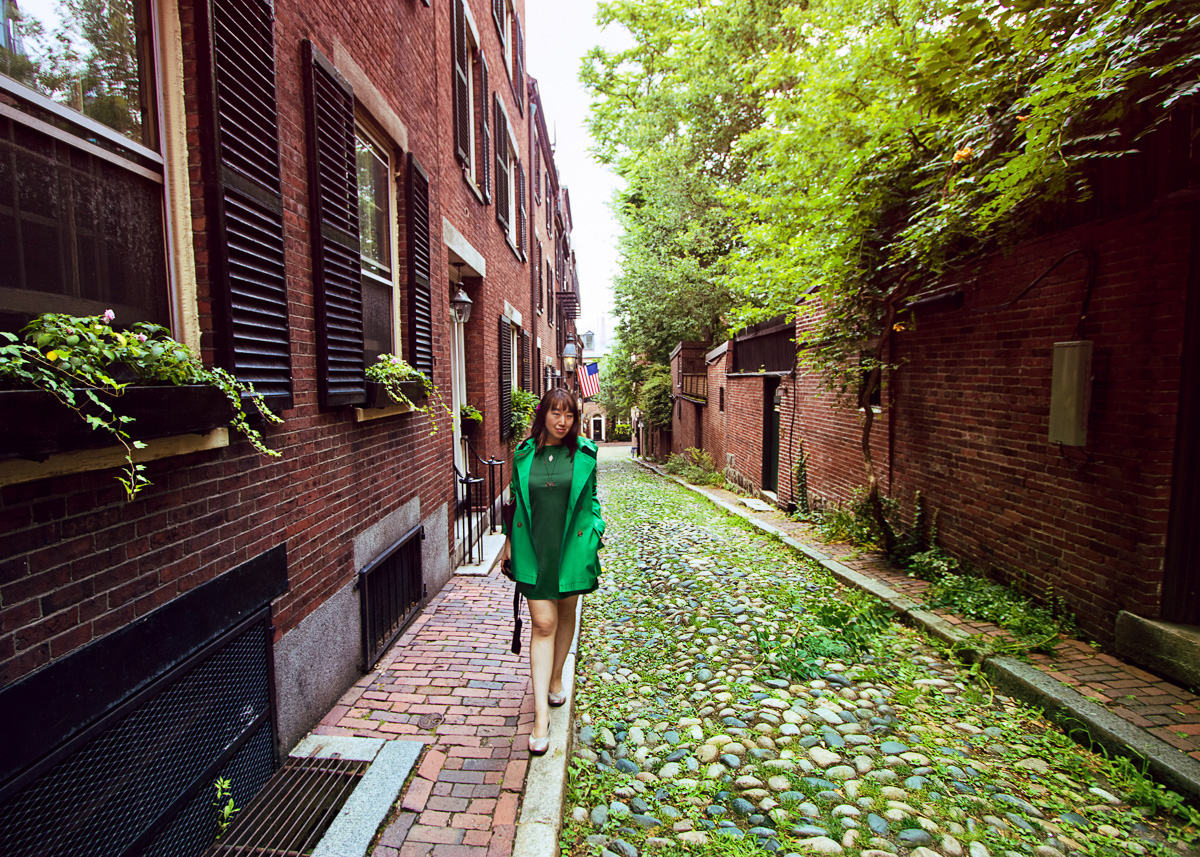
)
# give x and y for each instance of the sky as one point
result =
(557, 35)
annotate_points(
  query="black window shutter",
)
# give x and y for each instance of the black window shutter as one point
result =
(501, 138)
(244, 198)
(533, 282)
(333, 211)
(518, 50)
(526, 364)
(505, 378)
(522, 220)
(498, 17)
(485, 135)
(462, 116)
(420, 292)
(541, 286)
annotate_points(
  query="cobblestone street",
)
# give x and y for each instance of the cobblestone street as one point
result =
(731, 695)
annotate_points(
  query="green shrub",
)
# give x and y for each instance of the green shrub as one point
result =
(695, 466)
(932, 565)
(622, 431)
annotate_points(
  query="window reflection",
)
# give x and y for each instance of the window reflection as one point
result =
(89, 55)
(373, 206)
(375, 243)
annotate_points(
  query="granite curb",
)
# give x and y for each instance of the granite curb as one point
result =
(545, 792)
(1066, 706)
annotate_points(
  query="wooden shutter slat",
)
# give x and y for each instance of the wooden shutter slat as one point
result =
(461, 98)
(420, 303)
(526, 365)
(519, 62)
(240, 160)
(522, 220)
(505, 349)
(501, 143)
(486, 136)
(337, 263)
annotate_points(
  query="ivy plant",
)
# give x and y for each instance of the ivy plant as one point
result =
(86, 364)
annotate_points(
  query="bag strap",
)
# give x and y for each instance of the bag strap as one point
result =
(516, 640)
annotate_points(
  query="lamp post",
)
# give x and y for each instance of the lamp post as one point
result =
(569, 356)
(460, 304)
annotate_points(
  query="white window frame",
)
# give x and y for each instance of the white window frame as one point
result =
(471, 170)
(364, 126)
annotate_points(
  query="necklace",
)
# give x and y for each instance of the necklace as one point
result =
(546, 475)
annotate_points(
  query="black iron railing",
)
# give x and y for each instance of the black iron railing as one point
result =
(476, 501)
(391, 589)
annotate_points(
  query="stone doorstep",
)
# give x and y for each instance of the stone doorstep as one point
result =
(1164, 647)
(490, 548)
(1179, 771)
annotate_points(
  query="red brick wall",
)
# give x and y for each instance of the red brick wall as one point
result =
(714, 417)
(969, 415)
(77, 561)
(744, 428)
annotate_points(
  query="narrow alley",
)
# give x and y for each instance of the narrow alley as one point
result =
(730, 693)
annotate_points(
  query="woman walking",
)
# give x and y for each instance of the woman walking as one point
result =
(553, 543)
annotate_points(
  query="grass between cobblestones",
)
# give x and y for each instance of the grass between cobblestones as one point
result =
(733, 699)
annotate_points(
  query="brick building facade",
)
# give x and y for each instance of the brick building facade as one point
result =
(316, 181)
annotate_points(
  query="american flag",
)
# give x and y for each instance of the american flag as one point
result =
(589, 379)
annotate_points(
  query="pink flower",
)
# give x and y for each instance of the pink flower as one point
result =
(108, 316)
(141, 337)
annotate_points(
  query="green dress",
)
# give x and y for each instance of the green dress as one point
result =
(549, 496)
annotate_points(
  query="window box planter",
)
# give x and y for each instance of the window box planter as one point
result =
(36, 425)
(377, 395)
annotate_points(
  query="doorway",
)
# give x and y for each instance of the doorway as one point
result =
(598, 429)
(772, 396)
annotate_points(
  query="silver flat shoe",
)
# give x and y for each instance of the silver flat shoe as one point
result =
(557, 699)
(538, 746)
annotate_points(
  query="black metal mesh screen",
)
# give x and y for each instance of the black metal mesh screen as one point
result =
(148, 776)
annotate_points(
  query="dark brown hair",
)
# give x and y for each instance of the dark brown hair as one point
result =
(563, 399)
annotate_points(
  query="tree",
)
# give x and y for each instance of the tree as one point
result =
(873, 145)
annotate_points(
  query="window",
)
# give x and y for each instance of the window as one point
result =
(510, 181)
(375, 245)
(721, 398)
(81, 172)
(512, 41)
(352, 211)
(470, 100)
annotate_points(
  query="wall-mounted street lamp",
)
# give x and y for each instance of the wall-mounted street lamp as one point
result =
(569, 356)
(460, 304)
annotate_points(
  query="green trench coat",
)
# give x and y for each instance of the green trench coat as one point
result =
(579, 564)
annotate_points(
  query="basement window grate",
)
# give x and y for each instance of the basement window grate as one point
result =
(293, 811)
(391, 589)
(139, 782)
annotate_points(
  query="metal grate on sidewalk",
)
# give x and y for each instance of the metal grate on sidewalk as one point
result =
(293, 810)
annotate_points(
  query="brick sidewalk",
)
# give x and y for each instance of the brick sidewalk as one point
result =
(1163, 709)
(451, 682)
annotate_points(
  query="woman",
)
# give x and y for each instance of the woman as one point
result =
(552, 543)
